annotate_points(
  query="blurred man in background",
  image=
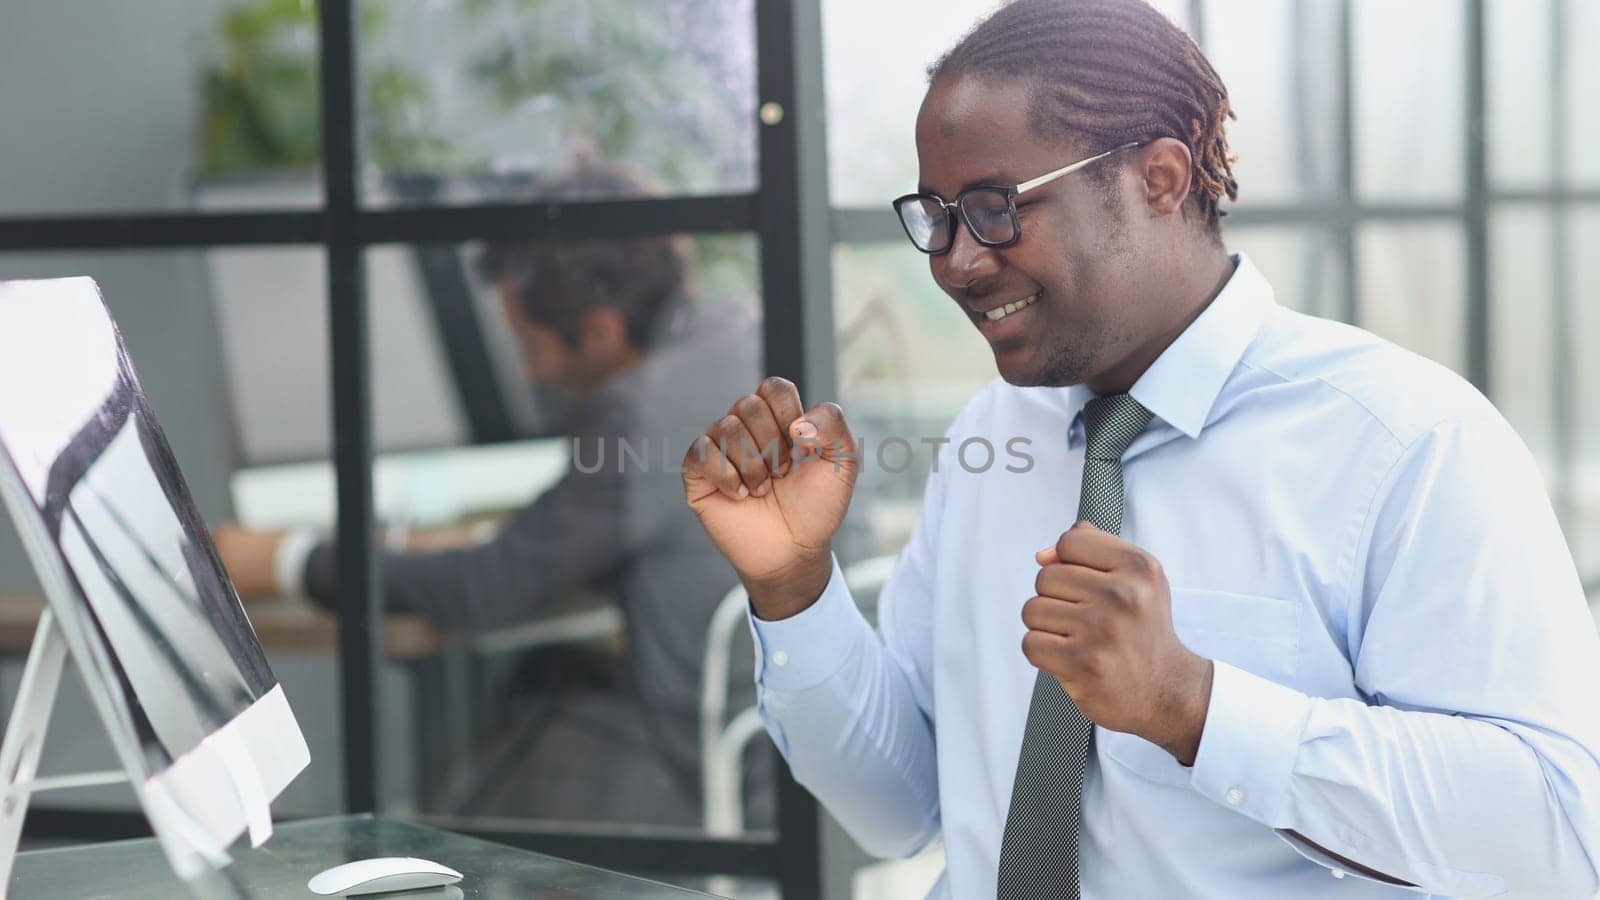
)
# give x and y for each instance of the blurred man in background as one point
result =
(613, 326)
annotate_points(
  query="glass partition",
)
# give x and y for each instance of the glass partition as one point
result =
(159, 107)
(487, 101)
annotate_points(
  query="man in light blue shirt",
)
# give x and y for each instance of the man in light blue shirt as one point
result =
(1335, 645)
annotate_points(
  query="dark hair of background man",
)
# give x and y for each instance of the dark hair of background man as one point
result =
(558, 281)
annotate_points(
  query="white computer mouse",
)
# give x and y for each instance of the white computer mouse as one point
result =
(373, 876)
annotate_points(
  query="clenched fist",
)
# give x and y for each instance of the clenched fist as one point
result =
(1101, 623)
(771, 482)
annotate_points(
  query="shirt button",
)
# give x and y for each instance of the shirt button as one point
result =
(1338, 874)
(1234, 797)
(780, 658)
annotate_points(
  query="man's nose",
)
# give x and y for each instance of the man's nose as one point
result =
(967, 261)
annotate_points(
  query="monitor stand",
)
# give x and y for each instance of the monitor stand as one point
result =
(24, 739)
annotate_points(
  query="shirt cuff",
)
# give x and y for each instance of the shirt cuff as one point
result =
(1251, 739)
(808, 647)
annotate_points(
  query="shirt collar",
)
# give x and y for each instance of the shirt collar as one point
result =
(1182, 385)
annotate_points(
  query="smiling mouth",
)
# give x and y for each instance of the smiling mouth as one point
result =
(1000, 312)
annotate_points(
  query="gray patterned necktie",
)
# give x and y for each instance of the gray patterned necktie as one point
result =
(1039, 852)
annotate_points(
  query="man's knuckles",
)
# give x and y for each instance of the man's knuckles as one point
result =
(727, 430)
(1043, 649)
(1141, 563)
(697, 459)
(1125, 593)
(776, 387)
(1062, 581)
(1119, 591)
(829, 419)
(1043, 581)
(1039, 613)
(1080, 669)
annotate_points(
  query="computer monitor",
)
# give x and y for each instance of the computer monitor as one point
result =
(134, 583)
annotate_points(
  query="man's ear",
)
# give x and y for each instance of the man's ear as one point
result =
(1167, 167)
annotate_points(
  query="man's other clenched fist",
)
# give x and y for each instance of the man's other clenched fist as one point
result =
(771, 482)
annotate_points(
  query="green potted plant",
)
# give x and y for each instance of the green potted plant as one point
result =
(260, 110)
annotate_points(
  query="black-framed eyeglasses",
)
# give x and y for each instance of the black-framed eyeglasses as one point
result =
(989, 210)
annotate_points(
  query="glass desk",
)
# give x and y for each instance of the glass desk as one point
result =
(136, 870)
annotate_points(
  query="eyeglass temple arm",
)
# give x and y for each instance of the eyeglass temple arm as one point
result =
(1069, 169)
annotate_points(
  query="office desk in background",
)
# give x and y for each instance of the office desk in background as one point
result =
(279, 870)
(447, 488)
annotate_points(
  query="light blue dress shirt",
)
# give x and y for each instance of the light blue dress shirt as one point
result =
(1406, 670)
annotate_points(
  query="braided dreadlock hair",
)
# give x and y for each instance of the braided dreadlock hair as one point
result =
(1114, 71)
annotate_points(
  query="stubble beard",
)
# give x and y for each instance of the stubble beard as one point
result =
(1064, 366)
